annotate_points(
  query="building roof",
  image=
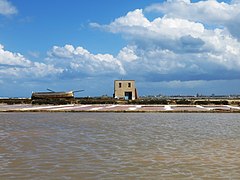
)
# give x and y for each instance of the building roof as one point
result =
(124, 80)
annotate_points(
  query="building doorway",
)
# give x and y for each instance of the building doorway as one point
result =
(128, 95)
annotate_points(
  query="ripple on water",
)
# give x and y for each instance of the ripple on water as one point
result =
(121, 145)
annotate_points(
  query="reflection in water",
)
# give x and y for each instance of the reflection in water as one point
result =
(119, 146)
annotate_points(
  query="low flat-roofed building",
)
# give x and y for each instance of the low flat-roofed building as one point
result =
(125, 89)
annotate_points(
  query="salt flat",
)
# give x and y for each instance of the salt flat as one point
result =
(117, 108)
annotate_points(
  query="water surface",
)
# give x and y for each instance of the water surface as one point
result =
(119, 146)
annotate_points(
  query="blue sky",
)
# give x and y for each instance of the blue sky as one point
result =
(168, 47)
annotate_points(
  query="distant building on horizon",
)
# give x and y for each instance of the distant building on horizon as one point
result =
(125, 89)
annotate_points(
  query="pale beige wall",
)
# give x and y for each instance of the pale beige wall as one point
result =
(120, 91)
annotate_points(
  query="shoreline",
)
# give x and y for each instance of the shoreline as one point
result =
(110, 108)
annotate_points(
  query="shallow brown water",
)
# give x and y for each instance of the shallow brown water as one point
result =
(119, 146)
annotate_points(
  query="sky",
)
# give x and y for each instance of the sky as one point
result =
(173, 47)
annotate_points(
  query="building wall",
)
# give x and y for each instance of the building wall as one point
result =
(124, 89)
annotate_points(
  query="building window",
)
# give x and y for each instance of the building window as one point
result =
(120, 85)
(129, 84)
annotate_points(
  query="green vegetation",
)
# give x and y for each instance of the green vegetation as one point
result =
(149, 101)
(214, 102)
(184, 101)
(16, 101)
(100, 100)
(110, 100)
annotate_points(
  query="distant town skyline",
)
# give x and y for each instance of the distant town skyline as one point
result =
(173, 47)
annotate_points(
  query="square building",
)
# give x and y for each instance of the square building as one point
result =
(125, 89)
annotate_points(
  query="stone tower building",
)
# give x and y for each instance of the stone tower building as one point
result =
(125, 89)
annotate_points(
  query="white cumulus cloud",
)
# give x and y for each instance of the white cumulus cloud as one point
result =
(127, 54)
(6, 8)
(177, 47)
(80, 60)
(209, 12)
(16, 66)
